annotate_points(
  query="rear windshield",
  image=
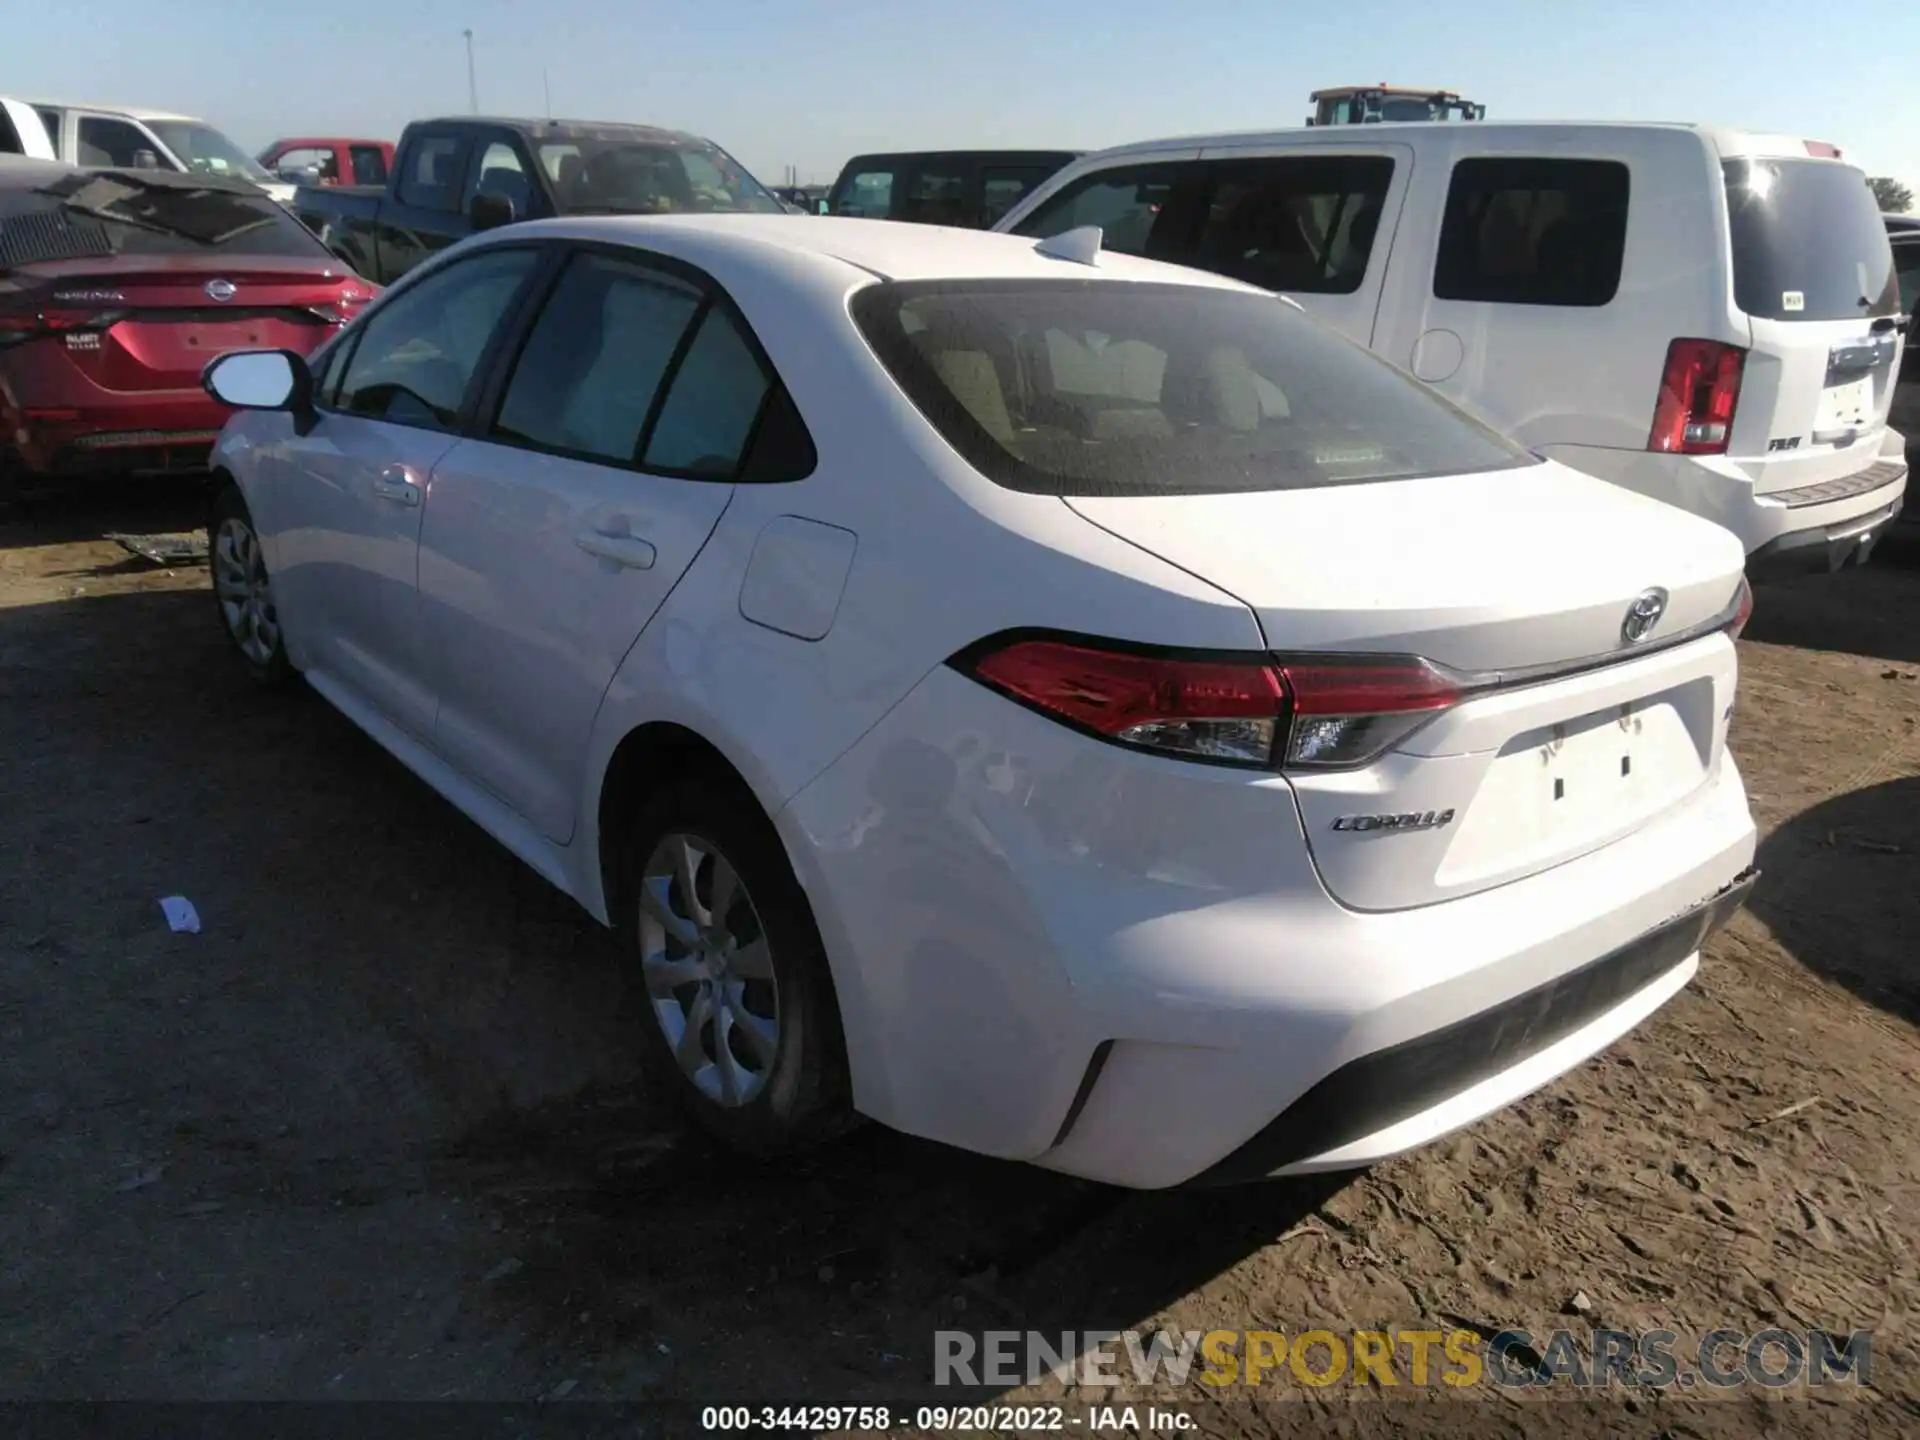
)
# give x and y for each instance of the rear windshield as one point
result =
(106, 213)
(1808, 242)
(1101, 387)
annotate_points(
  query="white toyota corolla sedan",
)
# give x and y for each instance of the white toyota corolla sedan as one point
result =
(1069, 707)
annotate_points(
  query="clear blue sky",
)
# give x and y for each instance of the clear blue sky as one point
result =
(808, 86)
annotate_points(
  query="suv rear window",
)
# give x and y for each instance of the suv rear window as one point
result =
(1101, 387)
(1808, 242)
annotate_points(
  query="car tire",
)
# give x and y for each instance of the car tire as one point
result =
(242, 590)
(753, 980)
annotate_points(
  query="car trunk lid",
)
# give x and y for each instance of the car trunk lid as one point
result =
(1523, 586)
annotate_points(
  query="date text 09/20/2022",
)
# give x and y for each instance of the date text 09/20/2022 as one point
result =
(948, 1419)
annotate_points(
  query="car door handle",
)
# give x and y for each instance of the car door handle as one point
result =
(626, 550)
(393, 483)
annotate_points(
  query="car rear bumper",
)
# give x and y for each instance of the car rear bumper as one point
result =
(1820, 525)
(1127, 968)
(170, 430)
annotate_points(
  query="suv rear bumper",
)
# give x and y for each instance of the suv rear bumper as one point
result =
(1825, 548)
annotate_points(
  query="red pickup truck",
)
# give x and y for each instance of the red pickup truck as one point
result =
(308, 161)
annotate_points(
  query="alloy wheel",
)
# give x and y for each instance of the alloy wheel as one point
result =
(246, 595)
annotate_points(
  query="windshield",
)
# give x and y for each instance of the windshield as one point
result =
(635, 175)
(146, 213)
(1062, 387)
(1808, 242)
(205, 151)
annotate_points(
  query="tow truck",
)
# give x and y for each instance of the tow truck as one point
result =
(1372, 104)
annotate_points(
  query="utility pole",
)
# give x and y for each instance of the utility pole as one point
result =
(473, 90)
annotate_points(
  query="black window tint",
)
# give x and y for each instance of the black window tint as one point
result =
(1533, 232)
(114, 143)
(369, 165)
(51, 119)
(587, 377)
(418, 351)
(1906, 264)
(1004, 186)
(10, 141)
(1111, 388)
(1304, 223)
(431, 179)
(867, 193)
(936, 194)
(782, 449)
(1808, 242)
(716, 395)
(1127, 204)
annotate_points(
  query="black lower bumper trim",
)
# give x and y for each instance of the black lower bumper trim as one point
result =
(1381, 1089)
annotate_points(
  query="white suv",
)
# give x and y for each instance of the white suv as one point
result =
(1070, 707)
(1701, 315)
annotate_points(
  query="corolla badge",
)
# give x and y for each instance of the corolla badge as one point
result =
(1643, 614)
(221, 290)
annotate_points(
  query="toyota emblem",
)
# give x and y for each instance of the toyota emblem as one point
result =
(1643, 614)
(220, 290)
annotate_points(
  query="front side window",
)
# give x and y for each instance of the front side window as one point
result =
(1808, 242)
(1533, 232)
(432, 175)
(585, 381)
(1300, 223)
(418, 351)
(1130, 205)
(115, 144)
(501, 173)
(1085, 387)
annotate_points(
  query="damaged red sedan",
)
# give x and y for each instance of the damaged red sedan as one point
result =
(116, 290)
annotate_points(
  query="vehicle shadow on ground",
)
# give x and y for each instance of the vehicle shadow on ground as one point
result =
(86, 509)
(1862, 611)
(355, 924)
(1854, 856)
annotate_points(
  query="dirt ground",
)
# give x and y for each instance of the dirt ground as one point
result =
(377, 1131)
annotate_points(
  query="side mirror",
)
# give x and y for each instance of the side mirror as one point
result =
(489, 211)
(145, 160)
(260, 380)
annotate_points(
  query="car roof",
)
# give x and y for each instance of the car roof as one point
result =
(966, 154)
(1494, 134)
(601, 129)
(888, 249)
(132, 112)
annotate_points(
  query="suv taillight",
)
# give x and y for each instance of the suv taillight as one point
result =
(1698, 390)
(1292, 712)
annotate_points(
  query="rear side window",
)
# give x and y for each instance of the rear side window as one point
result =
(1808, 242)
(586, 379)
(1906, 261)
(1533, 232)
(867, 193)
(1301, 223)
(369, 165)
(1076, 387)
(1128, 204)
(10, 142)
(707, 419)
(936, 194)
(51, 120)
(431, 179)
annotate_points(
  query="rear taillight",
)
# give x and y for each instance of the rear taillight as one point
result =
(19, 326)
(346, 306)
(1698, 390)
(1743, 610)
(1822, 149)
(1314, 712)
